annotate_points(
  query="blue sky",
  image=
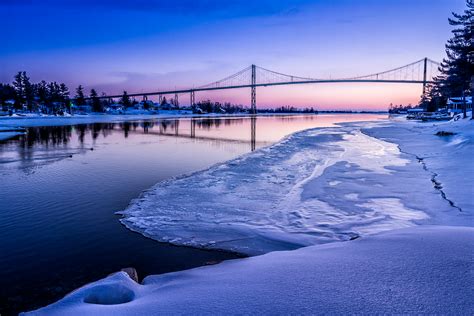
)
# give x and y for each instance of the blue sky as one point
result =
(151, 45)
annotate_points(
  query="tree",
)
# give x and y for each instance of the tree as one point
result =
(64, 92)
(125, 100)
(96, 104)
(25, 91)
(80, 98)
(7, 92)
(163, 101)
(42, 92)
(458, 66)
(19, 87)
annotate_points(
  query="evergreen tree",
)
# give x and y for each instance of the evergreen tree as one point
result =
(24, 90)
(80, 98)
(19, 89)
(164, 101)
(7, 92)
(42, 91)
(125, 100)
(96, 104)
(54, 92)
(457, 68)
(64, 91)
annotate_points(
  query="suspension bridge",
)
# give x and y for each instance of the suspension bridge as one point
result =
(419, 72)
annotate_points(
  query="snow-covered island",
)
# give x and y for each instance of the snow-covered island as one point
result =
(363, 218)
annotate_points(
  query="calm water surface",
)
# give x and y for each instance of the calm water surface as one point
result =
(60, 187)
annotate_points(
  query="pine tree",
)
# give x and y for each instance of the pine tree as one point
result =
(19, 89)
(42, 91)
(96, 104)
(25, 91)
(164, 101)
(457, 68)
(7, 92)
(64, 90)
(80, 98)
(125, 100)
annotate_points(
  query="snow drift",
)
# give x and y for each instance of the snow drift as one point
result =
(417, 270)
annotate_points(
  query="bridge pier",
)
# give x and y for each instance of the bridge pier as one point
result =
(425, 62)
(253, 132)
(193, 128)
(253, 92)
(192, 98)
(176, 101)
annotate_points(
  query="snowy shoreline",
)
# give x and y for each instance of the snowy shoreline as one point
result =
(323, 169)
(388, 183)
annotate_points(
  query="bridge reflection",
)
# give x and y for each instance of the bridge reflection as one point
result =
(172, 128)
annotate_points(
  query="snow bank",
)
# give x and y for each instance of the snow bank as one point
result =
(448, 159)
(316, 186)
(9, 132)
(30, 121)
(428, 270)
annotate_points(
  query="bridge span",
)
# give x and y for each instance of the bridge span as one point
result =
(419, 72)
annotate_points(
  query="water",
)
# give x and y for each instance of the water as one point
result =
(60, 187)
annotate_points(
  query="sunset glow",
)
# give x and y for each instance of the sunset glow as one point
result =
(155, 46)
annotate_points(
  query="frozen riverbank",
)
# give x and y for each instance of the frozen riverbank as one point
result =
(314, 187)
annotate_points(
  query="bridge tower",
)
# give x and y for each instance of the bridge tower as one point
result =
(253, 94)
(425, 63)
(193, 101)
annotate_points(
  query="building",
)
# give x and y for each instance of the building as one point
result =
(456, 105)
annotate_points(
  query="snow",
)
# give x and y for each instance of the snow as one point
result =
(43, 120)
(9, 132)
(447, 158)
(427, 270)
(316, 186)
(398, 195)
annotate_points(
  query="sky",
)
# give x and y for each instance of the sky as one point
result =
(140, 46)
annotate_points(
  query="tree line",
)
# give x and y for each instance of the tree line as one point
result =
(457, 68)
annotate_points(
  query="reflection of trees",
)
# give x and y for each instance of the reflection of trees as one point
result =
(44, 139)
(289, 118)
(47, 136)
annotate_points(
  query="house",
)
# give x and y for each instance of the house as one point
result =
(167, 106)
(114, 108)
(81, 109)
(415, 113)
(456, 104)
(146, 104)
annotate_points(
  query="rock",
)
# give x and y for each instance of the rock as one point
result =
(132, 273)
(444, 133)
